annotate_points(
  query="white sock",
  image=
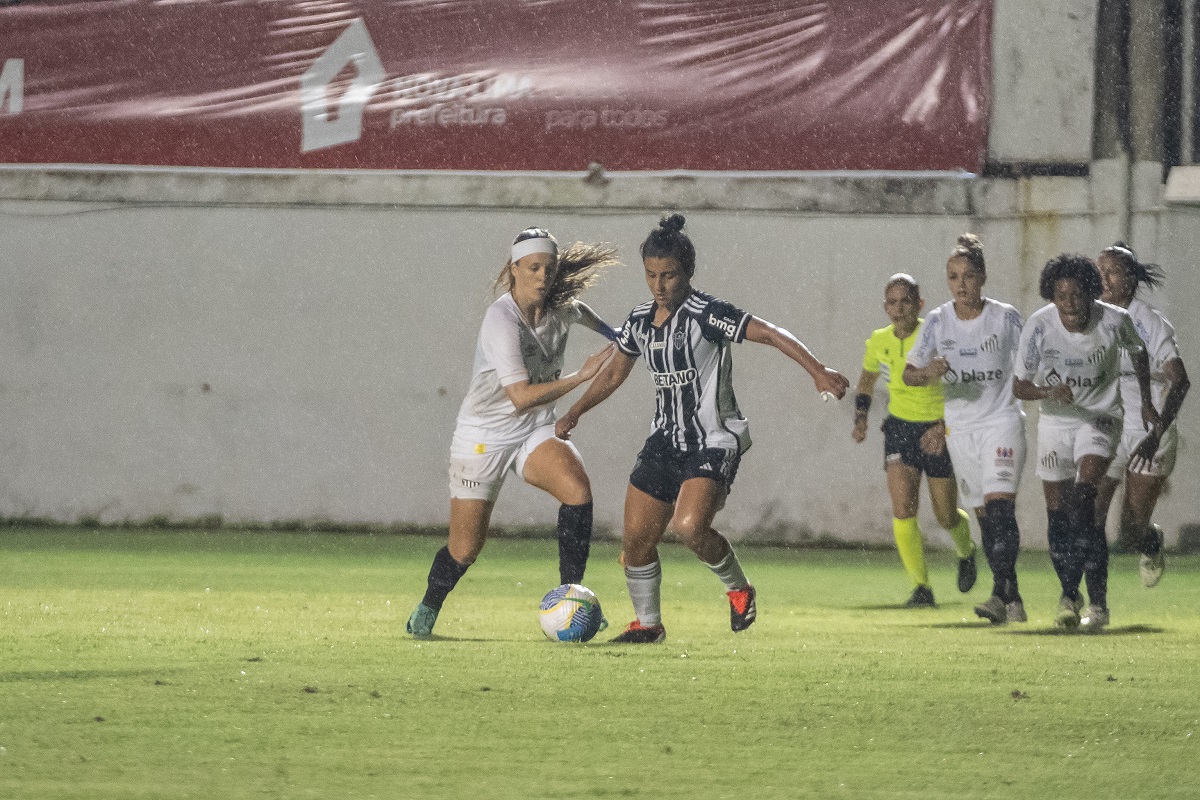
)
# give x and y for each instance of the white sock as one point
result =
(644, 585)
(729, 570)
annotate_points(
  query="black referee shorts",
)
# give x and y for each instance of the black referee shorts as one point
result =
(902, 442)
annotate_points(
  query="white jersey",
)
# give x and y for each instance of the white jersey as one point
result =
(981, 353)
(1158, 335)
(1089, 362)
(509, 351)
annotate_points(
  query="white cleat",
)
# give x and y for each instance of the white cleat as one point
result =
(1094, 618)
(993, 610)
(1067, 615)
(1016, 611)
(1151, 567)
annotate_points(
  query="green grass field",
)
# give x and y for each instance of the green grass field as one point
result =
(269, 665)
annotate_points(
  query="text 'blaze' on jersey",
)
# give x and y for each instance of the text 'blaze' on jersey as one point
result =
(1088, 361)
(982, 353)
(690, 362)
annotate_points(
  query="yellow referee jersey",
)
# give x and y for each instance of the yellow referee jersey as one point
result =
(886, 354)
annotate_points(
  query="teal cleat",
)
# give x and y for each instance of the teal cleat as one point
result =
(420, 624)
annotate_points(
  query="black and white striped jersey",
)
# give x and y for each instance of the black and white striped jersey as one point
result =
(690, 361)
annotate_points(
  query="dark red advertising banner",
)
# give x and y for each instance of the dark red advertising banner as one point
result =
(497, 84)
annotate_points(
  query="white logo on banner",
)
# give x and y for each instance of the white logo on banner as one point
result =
(321, 127)
(12, 85)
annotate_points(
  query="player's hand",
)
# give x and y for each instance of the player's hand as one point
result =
(938, 366)
(1143, 455)
(595, 362)
(566, 423)
(860, 431)
(832, 382)
(933, 441)
(1061, 393)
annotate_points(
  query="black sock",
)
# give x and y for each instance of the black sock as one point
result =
(1058, 535)
(574, 541)
(1095, 568)
(1006, 544)
(1089, 547)
(443, 575)
(1151, 544)
(987, 534)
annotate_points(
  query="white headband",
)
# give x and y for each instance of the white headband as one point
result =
(538, 244)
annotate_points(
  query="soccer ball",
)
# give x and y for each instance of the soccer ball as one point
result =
(570, 613)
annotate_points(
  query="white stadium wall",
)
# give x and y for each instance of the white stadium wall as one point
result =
(298, 362)
(189, 345)
(1043, 81)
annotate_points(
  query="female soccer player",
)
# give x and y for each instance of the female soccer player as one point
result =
(1122, 275)
(1070, 359)
(687, 466)
(969, 346)
(506, 421)
(914, 441)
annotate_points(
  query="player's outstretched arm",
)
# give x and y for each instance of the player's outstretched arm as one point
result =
(591, 320)
(608, 381)
(525, 395)
(826, 379)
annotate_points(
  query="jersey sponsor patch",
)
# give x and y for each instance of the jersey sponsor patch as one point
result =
(666, 380)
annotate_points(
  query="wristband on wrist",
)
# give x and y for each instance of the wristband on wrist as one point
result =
(862, 403)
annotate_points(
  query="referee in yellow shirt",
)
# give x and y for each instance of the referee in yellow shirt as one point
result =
(914, 441)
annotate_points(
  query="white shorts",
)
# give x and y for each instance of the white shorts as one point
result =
(478, 470)
(1062, 445)
(987, 460)
(1164, 460)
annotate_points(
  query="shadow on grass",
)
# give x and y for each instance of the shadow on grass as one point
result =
(1112, 630)
(38, 676)
(902, 607)
(1021, 629)
(439, 638)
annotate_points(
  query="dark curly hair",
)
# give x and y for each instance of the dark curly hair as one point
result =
(1074, 267)
(669, 241)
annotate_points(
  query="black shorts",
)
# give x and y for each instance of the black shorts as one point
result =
(661, 469)
(902, 442)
